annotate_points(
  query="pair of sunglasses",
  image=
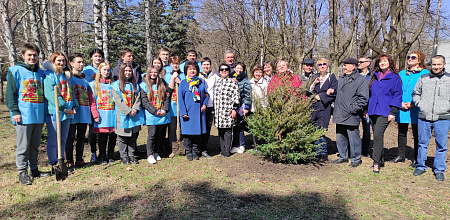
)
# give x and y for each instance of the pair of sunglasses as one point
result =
(224, 69)
(411, 57)
(322, 64)
(363, 61)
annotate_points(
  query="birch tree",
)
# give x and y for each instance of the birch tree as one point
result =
(148, 33)
(64, 39)
(45, 4)
(98, 23)
(8, 33)
(105, 39)
(34, 27)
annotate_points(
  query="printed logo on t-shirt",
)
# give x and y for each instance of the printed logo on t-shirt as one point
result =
(65, 90)
(156, 102)
(82, 95)
(105, 102)
(33, 91)
(129, 98)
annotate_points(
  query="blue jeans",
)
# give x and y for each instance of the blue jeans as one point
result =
(366, 136)
(441, 128)
(322, 149)
(52, 144)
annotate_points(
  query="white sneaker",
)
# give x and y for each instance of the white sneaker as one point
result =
(157, 157)
(234, 150)
(241, 150)
(151, 159)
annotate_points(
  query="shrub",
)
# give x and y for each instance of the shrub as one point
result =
(284, 126)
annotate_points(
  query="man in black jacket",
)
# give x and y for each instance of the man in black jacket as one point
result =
(351, 96)
(126, 55)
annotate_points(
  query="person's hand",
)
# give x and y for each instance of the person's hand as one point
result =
(69, 112)
(162, 113)
(174, 74)
(133, 113)
(185, 116)
(233, 114)
(245, 111)
(17, 118)
(203, 108)
(330, 91)
(97, 120)
(410, 105)
(404, 105)
(317, 80)
(234, 79)
(366, 114)
(177, 80)
(391, 117)
(317, 97)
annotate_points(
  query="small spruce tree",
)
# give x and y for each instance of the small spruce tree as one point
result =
(285, 126)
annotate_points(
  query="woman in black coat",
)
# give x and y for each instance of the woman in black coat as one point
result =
(322, 89)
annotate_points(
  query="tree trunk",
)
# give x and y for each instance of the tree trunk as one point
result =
(98, 23)
(8, 34)
(105, 29)
(48, 36)
(436, 29)
(64, 43)
(148, 33)
(35, 28)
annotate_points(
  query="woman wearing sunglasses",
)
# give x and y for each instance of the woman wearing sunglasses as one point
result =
(322, 89)
(408, 114)
(226, 103)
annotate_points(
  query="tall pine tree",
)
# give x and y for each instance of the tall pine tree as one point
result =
(178, 23)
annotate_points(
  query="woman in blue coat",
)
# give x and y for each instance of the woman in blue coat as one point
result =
(385, 98)
(192, 100)
(408, 114)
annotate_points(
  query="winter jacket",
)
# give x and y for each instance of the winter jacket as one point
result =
(226, 98)
(385, 95)
(244, 89)
(137, 72)
(409, 80)
(210, 80)
(277, 81)
(432, 96)
(195, 124)
(322, 108)
(352, 95)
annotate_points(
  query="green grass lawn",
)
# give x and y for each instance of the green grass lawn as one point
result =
(240, 187)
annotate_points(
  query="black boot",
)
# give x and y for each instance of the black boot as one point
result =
(36, 173)
(398, 159)
(24, 178)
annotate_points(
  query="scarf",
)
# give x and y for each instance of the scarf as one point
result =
(193, 83)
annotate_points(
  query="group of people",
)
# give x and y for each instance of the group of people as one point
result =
(115, 102)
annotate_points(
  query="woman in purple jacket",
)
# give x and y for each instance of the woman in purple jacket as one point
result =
(385, 99)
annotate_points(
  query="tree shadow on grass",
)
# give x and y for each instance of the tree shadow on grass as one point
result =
(199, 200)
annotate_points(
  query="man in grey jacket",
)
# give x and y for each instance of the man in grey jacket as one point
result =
(432, 96)
(352, 95)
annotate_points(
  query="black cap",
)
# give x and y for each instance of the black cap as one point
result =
(308, 61)
(350, 60)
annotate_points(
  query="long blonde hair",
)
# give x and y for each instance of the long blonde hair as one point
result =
(159, 85)
(98, 75)
(58, 69)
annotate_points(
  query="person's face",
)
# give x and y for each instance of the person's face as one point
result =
(229, 58)
(363, 63)
(104, 71)
(30, 57)
(191, 56)
(348, 68)
(282, 67)
(77, 64)
(239, 69)
(157, 64)
(268, 70)
(206, 66)
(191, 71)
(224, 71)
(128, 71)
(437, 65)
(175, 66)
(384, 64)
(413, 60)
(128, 57)
(164, 55)
(258, 74)
(97, 58)
(307, 68)
(153, 73)
(60, 61)
(322, 66)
